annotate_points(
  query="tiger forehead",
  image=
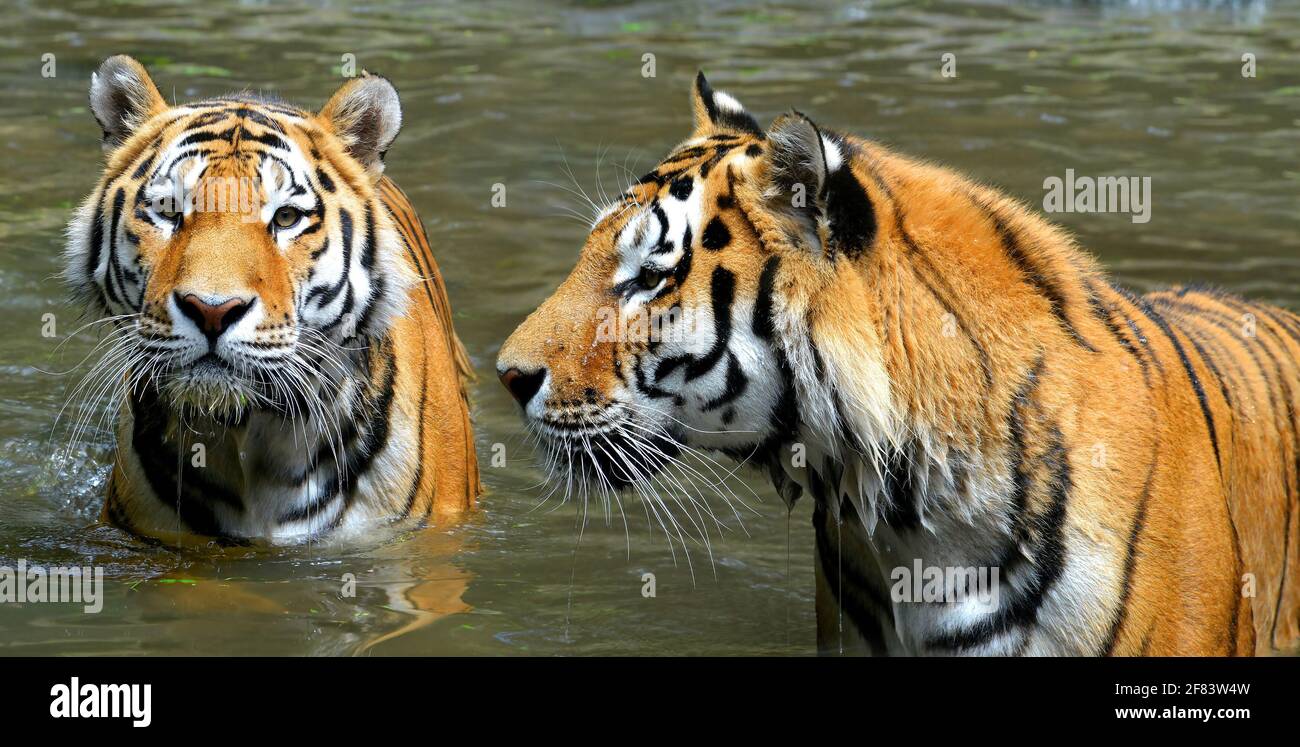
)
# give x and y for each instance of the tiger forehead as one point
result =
(696, 158)
(700, 157)
(239, 123)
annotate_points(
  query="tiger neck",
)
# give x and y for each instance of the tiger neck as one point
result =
(893, 421)
(270, 471)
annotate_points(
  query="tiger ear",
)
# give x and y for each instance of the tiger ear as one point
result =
(810, 179)
(122, 97)
(366, 115)
(718, 112)
(797, 167)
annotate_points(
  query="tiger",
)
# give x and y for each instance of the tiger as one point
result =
(955, 382)
(281, 338)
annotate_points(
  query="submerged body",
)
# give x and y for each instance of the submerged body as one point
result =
(955, 385)
(289, 364)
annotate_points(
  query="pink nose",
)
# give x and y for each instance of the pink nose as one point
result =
(211, 319)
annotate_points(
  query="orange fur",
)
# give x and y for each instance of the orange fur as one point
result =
(970, 326)
(411, 375)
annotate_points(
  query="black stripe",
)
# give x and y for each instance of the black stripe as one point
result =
(368, 250)
(716, 236)
(111, 269)
(328, 294)
(1141, 337)
(1044, 534)
(145, 163)
(413, 493)
(409, 230)
(376, 430)
(860, 601)
(1188, 328)
(763, 323)
(644, 386)
(1223, 322)
(1105, 314)
(735, 385)
(849, 209)
(189, 495)
(1130, 561)
(257, 117)
(1160, 322)
(96, 240)
(326, 183)
(1033, 275)
(206, 137)
(723, 293)
(682, 187)
(266, 138)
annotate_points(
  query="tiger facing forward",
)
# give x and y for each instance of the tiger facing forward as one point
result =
(282, 336)
(954, 383)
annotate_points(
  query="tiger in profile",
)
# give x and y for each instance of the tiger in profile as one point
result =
(282, 337)
(954, 383)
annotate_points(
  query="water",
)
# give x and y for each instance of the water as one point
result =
(514, 93)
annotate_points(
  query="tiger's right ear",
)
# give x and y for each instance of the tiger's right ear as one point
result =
(719, 112)
(123, 97)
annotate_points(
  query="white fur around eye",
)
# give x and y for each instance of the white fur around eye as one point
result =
(278, 184)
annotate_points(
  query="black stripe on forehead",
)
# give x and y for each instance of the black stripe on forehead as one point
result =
(713, 152)
(255, 116)
(246, 99)
(213, 112)
(288, 170)
(191, 144)
(700, 158)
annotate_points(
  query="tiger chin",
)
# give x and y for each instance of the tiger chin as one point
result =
(281, 339)
(953, 382)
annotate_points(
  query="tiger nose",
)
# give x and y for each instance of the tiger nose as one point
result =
(523, 385)
(212, 319)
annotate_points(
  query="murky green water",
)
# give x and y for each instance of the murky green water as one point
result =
(513, 93)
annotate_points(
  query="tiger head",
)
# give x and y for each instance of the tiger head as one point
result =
(238, 242)
(672, 331)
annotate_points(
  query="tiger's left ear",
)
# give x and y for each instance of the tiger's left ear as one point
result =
(366, 115)
(718, 112)
(810, 178)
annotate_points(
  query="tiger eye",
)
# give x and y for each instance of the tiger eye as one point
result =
(285, 216)
(168, 211)
(650, 277)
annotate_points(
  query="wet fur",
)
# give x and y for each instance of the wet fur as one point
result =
(951, 378)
